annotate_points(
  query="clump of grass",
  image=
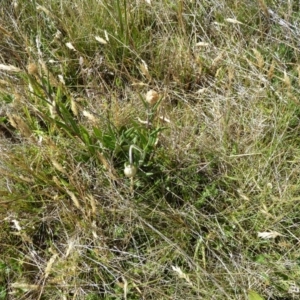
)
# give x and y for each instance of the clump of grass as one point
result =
(208, 94)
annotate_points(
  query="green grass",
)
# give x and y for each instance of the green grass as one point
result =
(213, 211)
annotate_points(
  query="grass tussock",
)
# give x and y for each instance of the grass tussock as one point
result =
(200, 99)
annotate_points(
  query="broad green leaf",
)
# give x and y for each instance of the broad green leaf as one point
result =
(252, 295)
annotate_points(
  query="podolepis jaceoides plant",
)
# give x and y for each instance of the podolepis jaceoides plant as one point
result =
(130, 169)
(142, 136)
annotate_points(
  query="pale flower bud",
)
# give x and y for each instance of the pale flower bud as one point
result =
(130, 170)
(152, 97)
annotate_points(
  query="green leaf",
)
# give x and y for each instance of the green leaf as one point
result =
(143, 100)
(68, 119)
(252, 295)
(7, 98)
(98, 133)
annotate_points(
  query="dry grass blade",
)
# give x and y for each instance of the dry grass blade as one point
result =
(10, 68)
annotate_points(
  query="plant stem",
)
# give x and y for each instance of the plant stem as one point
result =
(130, 153)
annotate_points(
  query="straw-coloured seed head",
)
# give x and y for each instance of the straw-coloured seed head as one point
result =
(32, 69)
(152, 97)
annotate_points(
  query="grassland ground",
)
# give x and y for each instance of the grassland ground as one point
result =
(198, 101)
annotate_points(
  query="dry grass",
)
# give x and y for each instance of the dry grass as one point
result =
(213, 212)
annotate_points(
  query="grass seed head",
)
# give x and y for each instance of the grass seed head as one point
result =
(152, 97)
(32, 69)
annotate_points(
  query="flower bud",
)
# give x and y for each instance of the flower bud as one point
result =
(130, 170)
